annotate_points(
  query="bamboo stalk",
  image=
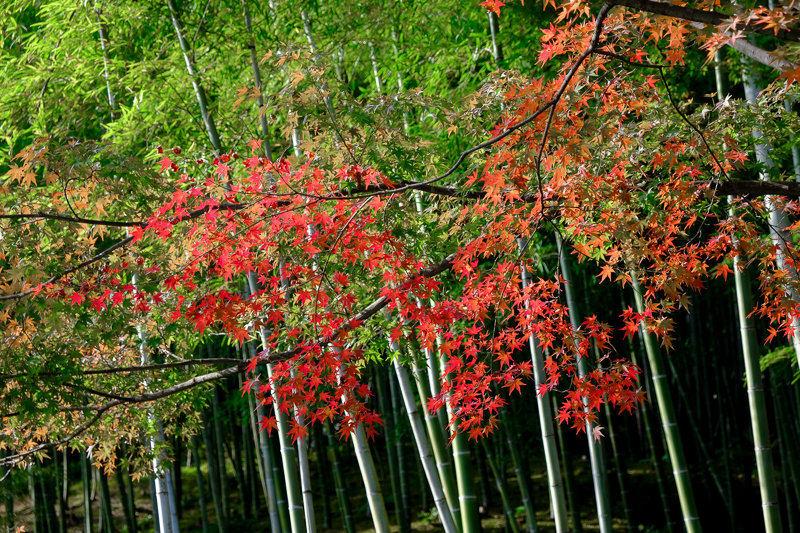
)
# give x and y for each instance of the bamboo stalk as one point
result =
(654, 460)
(87, 500)
(556, 489)
(423, 447)
(568, 477)
(619, 466)
(384, 404)
(595, 448)
(366, 466)
(502, 489)
(201, 497)
(522, 479)
(444, 465)
(287, 451)
(680, 468)
(757, 403)
(338, 479)
(200, 94)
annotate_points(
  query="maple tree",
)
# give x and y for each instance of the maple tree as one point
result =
(356, 237)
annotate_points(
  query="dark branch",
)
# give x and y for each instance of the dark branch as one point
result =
(705, 17)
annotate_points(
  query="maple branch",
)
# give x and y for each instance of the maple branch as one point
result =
(705, 17)
(754, 188)
(598, 30)
(104, 253)
(75, 219)
(11, 460)
(138, 368)
(765, 57)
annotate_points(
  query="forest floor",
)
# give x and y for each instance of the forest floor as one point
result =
(644, 500)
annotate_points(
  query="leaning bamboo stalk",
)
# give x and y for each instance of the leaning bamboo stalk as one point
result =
(199, 92)
(444, 465)
(287, 451)
(377, 507)
(305, 480)
(423, 447)
(167, 518)
(263, 461)
(338, 479)
(680, 468)
(596, 459)
(502, 488)
(762, 443)
(384, 405)
(556, 489)
(522, 480)
(421, 440)
(778, 220)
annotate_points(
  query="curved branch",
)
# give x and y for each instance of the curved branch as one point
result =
(705, 17)
(142, 398)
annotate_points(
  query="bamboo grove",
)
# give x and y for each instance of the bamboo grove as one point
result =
(389, 266)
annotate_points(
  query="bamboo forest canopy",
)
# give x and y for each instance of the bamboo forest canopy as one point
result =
(278, 198)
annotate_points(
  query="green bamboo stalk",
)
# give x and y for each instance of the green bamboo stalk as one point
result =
(757, 403)
(61, 488)
(595, 448)
(557, 499)
(87, 500)
(305, 482)
(287, 451)
(262, 460)
(177, 475)
(338, 479)
(235, 453)
(250, 461)
(462, 458)
(267, 466)
(103, 30)
(325, 471)
(366, 466)
(569, 480)
(399, 448)
(200, 94)
(105, 504)
(423, 447)
(522, 479)
(654, 460)
(680, 468)
(201, 496)
(619, 466)
(213, 475)
(494, 30)
(262, 115)
(502, 489)
(36, 504)
(755, 388)
(384, 404)
(444, 465)
(219, 450)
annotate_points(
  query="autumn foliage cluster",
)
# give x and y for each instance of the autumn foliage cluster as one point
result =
(329, 255)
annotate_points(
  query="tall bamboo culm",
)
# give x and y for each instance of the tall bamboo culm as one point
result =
(556, 488)
(666, 411)
(596, 458)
